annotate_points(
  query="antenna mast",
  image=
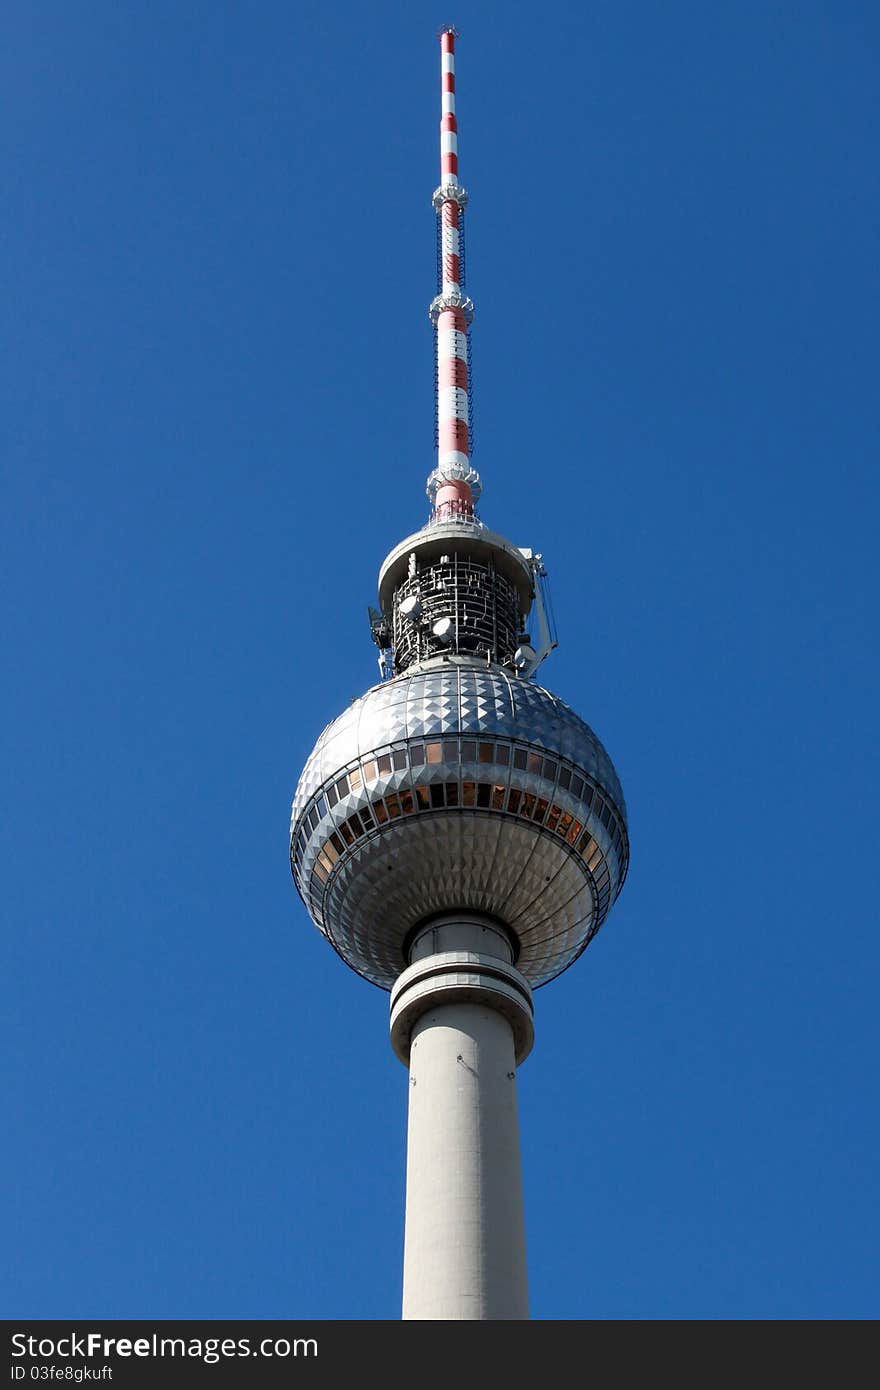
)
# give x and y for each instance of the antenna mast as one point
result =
(454, 486)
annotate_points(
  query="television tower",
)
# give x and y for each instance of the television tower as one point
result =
(459, 834)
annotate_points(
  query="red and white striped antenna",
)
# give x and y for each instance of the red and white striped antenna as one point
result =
(453, 487)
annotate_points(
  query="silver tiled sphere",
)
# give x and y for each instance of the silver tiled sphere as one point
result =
(456, 785)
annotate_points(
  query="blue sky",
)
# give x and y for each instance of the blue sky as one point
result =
(217, 420)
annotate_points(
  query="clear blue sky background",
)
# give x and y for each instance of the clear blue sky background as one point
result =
(218, 254)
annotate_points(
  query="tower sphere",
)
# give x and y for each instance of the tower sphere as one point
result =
(458, 784)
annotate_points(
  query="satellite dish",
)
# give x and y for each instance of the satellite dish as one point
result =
(411, 608)
(443, 630)
(524, 657)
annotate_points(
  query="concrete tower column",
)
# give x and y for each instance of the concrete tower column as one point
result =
(461, 1019)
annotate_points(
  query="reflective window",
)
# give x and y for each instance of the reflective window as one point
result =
(438, 795)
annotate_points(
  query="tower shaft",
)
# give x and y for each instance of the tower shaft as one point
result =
(464, 1253)
(463, 1014)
